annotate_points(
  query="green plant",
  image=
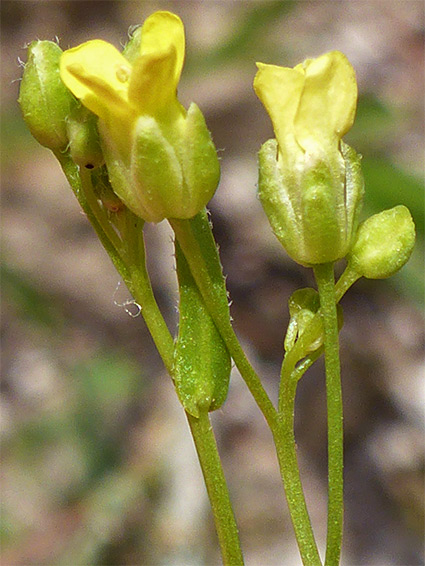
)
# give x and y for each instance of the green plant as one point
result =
(133, 154)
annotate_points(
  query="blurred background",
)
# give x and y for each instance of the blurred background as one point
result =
(97, 463)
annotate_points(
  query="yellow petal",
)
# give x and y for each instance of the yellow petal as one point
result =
(328, 102)
(279, 89)
(98, 74)
(157, 71)
(160, 31)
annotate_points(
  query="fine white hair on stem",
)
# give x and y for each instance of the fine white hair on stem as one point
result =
(127, 303)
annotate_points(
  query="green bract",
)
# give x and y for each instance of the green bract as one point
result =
(383, 244)
(44, 99)
(310, 182)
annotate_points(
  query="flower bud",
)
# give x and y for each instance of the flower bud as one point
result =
(383, 243)
(44, 99)
(303, 305)
(84, 143)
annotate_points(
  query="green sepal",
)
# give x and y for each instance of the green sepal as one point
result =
(320, 217)
(354, 190)
(274, 199)
(383, 243)
(202, 363)
(200, 164)
(44, 99)
(84, 142)
(171, 179)
(314, 208)
(157, 190)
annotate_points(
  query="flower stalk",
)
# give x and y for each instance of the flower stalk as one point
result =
(324, 275)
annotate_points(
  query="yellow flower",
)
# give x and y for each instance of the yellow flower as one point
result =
(317, 187)
(154, 149)
(311, 106)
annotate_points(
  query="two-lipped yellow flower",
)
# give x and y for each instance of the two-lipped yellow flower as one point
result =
(161, 160)
(310, 181)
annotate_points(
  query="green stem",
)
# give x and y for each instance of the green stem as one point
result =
(289, 463)
(198, 245)
(100, 225)
(325, 281)
(132, 268)
(215, 482)
(201, 428)
(286, 452)
(348, 278)
(290, 372)
(99, 212)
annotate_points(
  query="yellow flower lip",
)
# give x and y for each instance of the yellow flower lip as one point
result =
(310, 182)
(90, 73)
(108, 85)
(311, 105)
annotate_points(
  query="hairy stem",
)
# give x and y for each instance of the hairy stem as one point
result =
(196, 241)
(198, 245)
(289, 463)
(128, 256)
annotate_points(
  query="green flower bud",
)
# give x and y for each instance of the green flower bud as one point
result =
(303, 305)
(44, 99)
(383, 244)
(84, 143)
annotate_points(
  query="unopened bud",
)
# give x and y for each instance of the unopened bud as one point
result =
(383, 244)
(84, 143)
(303, 306)
(44, 99)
